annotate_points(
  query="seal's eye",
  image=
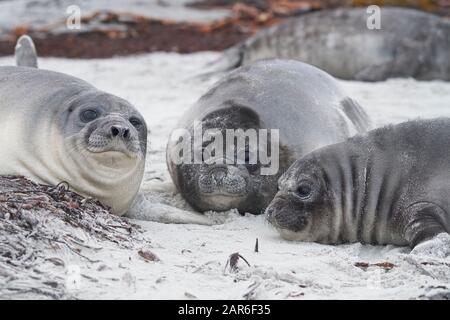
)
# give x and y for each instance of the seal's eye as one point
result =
(135, 122)
(304, 191)
(88, 115)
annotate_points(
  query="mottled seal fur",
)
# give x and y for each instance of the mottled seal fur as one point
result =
(305, 104)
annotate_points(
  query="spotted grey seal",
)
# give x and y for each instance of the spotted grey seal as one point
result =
(54, 128)
(389, 186)
(305, 104)
(410, 43)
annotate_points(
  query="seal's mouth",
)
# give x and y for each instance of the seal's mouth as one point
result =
(224, 195)
(223, 202)
(287, 233)
(223, 181)
(290, 235)
(103, 145)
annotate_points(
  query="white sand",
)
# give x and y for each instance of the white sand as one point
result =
(193, 257)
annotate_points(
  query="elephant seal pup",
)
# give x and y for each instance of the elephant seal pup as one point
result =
(410, 43)
(54, 128)
(58, 128)
(306, 106)
(25, 52)
(390, 186)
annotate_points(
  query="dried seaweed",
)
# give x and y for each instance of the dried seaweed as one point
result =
(38, 221)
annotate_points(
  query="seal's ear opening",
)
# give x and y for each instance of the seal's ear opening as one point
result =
(234, 116)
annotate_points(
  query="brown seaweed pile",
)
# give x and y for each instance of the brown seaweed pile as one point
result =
(38, 222)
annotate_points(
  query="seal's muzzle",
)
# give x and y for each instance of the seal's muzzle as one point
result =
(114, 134)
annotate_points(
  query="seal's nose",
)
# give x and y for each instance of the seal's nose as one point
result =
(120, 131)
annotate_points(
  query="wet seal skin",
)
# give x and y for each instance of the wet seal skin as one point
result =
(306, 106)
(390, 186)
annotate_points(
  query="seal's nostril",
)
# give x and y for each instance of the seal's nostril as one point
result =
(114, 131)
(126, 133)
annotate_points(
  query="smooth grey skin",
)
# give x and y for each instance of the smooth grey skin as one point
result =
(305, 104)
(25, 52)
(389, 186)
(410, 43)
(54, 128)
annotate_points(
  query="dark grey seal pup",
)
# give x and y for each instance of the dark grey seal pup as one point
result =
(410, 43)
(390, 186)
(305, 104)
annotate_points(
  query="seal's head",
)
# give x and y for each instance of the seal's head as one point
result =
(64, 129)
(227, 177)
(303, 204)
(107, 129)
(104, 141)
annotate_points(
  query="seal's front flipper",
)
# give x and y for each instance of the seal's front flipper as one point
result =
(425, 229)
(356, 114)
(25, 52)
(437, 247)
(144, 209)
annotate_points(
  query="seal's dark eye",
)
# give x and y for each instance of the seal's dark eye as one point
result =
(89, 115)
(304, 191)
(135, 122)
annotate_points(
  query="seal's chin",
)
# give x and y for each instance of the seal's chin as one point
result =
(115, 152)
(290, 228)
(292, 235)
(114, 155)
(223, 201)
(223, 187)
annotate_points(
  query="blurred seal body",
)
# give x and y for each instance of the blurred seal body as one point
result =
(305, 104)
(409, 43)
(25, 52)
(54, 128)
(390, 186)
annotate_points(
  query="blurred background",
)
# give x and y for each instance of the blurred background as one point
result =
(106, 28)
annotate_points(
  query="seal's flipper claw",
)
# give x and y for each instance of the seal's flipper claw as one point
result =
(425, 230)
(25, 52)
(437, 247)
(143, 209)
